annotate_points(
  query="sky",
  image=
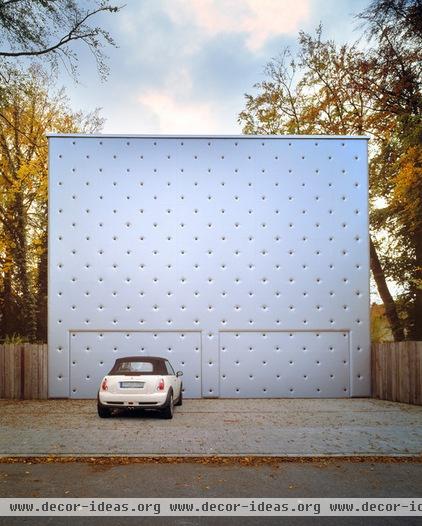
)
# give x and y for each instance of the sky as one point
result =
(183, 66)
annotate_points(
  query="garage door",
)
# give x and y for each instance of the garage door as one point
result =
(92, 355)
(282, 364)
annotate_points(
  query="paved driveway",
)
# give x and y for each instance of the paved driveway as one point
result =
(214, 427)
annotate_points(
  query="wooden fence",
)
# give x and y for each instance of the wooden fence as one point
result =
(23, 371)
(397, 372)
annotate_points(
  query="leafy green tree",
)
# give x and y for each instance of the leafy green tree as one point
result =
(350, 89)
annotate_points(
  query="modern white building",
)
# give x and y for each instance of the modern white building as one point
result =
(242, 259)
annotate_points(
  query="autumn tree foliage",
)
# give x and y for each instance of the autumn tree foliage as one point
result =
(370, 87)
(30, 106)
(32, 33)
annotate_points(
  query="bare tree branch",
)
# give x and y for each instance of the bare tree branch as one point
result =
(47, 29)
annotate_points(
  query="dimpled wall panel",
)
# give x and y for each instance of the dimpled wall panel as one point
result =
(244, 260)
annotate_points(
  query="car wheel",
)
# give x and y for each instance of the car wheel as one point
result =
(180, 400)
(169, 409)
(103, 412)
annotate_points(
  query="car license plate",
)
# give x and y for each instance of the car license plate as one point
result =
(132, 385)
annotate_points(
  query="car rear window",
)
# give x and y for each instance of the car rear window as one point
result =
(136, 367)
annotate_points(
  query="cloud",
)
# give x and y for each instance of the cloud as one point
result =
(260, 20)
(191, 61)
(174, 115)
(182, 66)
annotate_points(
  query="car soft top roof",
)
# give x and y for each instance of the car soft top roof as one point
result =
(141, 359)
(158, 365)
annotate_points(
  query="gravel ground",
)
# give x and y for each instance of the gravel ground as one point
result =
(214, 427)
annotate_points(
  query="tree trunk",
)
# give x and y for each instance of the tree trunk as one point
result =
(7, 318)
(387, 298)
(28, 304)
(42, 291)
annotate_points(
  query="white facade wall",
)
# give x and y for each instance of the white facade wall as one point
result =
(244, 260)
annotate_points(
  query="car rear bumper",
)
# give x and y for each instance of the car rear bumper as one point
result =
(154, 400)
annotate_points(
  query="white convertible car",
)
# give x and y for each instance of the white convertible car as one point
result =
(145, 382)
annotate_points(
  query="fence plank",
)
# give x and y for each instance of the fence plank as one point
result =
(404, 379)
(10, 369)
(34, 353)
(26, 372)
(18, 375)
(415, 366)
(375, 371)
(44, 372)
(33, 391)
(6, 359)
(397, 371)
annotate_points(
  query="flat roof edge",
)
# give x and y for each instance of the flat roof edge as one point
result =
(181, 136)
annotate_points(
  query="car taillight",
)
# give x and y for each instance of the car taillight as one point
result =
(160, 385)
(104, 385)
